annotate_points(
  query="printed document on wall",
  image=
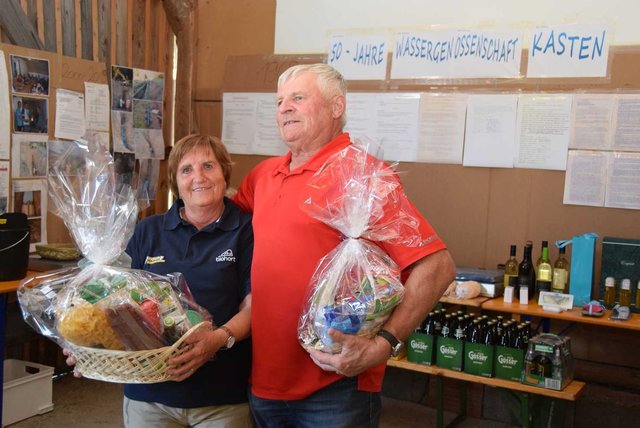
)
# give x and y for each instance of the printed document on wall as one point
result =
(543, 131)
(627, 123)
(490, 130)
(5, 115)
(623, 181)
(584, 181)
(591, 121)
(441, 129)
(70, 122)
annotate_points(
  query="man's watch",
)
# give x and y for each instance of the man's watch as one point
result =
(231, 339)
(396, 345)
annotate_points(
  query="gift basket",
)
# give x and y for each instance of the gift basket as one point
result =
(356, 286)
(120, 324)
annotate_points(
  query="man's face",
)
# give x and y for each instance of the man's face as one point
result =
(304, 117)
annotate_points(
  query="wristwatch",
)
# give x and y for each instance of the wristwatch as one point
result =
(231, 340)
(396, 345)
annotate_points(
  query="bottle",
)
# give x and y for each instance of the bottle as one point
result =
(446, 327)
(519, 340)
(545, 244)
(638, 297)
(475, 335)
(625, 292)
(459, 333)
(526, 273)
(429, 327)
(560, 283)
(489, 337)
(544, 273)
(609, 292)
(510, 266)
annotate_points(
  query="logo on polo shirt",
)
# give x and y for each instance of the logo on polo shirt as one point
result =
(152, 260)
(227, 256)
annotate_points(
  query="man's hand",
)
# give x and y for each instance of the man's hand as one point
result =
(358, 354)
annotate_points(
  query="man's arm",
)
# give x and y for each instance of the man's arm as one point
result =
(428, 280)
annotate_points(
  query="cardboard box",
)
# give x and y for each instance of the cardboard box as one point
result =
(620, 260)
(27, 390)
(478, 359)
(449, 353)
(508, 363)
(421, 348)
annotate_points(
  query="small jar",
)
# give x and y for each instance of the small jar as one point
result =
(609, 292)
(625, 292)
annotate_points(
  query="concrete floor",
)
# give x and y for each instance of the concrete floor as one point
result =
(89, 403)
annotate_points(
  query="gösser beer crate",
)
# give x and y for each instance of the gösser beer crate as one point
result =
(449, 353)
(421, 348)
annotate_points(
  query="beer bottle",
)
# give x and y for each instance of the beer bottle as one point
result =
(506, 338)
(423, 324)
(459, 332)
(489, 334)
(446, 327)
(475, 336)
(430, 326)
(519, 341)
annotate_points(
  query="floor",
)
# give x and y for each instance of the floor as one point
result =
(89, 403)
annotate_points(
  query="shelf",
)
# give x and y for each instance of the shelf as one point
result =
(574, 315)
(571, 392)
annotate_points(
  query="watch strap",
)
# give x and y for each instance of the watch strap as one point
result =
(396, 345)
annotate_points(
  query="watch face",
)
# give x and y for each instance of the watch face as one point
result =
(230, 342)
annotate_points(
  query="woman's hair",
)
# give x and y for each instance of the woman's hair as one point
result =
(330, 81)
(197, 141)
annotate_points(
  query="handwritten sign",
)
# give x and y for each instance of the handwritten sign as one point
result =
(359, 57)
(456, 54)
(569, 51)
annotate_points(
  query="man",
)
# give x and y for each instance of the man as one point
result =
(291, 387)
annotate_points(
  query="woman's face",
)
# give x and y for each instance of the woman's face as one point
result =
(200, 179)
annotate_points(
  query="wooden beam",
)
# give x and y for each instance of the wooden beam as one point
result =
(50, 32)
(94, 30)
(137, 18)
(17, 27)
(68, 15)
(121, 33)
(181, 15)
(40, 19)
(104, 31)
(86, 29)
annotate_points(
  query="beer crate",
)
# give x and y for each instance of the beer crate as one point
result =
(421, 348)
(478, 359)
(508, 363)
(449, 353)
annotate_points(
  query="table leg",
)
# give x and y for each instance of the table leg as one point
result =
(3, 317)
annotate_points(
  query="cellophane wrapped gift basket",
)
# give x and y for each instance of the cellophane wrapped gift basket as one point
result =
(120, 324)
(356, 286)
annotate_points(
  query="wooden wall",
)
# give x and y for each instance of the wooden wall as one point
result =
(478, 212)
(110, 32)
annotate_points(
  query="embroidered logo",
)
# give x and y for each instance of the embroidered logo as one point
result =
(227, 256)
(151, 260)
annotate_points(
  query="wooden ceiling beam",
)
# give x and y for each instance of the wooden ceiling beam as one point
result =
(17, 26)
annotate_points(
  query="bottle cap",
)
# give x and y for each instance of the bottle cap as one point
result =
(609, 282)
(626, 284)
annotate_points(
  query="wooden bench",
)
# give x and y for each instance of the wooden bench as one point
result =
(570, 393)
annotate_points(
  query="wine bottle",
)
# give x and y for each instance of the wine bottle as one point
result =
(545, 244)
(510, 266)
(560, 283)
(525, 270)
(544, 273)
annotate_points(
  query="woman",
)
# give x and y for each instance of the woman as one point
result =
(206, 237)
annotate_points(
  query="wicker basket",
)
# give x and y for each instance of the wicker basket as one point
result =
(149, 366)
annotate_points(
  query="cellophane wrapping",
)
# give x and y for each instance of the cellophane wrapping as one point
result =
(356, 286)
(100, 303)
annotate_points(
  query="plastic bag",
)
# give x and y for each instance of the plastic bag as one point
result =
(95, 304)
(357, 285)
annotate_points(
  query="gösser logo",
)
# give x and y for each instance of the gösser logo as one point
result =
(477, 356)
(419, 345)
(448, 350)
(507, 360)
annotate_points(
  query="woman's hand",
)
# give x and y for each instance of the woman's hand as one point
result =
(201, 345)
(71, 361)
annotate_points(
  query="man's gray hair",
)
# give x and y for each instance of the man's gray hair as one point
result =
(330, 81)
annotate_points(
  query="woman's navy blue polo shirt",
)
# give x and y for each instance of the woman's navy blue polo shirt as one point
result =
(216, 262)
